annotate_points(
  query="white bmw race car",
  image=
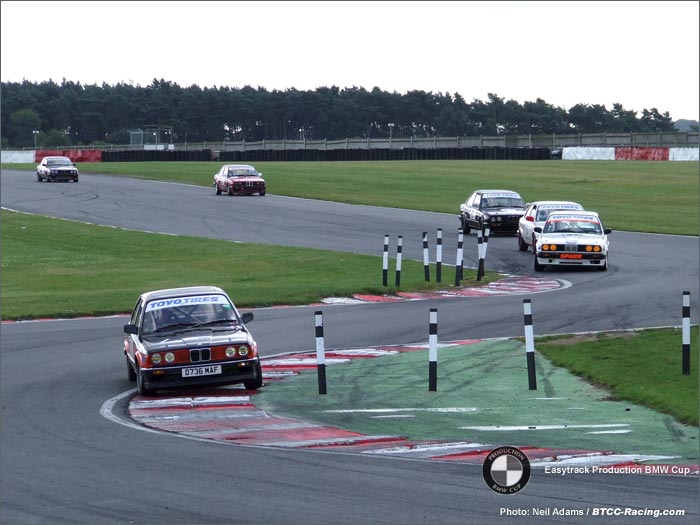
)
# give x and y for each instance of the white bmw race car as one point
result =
(572, 238)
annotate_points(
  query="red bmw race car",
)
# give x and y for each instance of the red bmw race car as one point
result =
(239, 179)
(182, 337)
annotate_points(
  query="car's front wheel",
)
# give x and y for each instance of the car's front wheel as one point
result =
(130, 370)
(538, 267)
(534, 244)
(256, 383)
(465, 227)
(141, 382)
(218, 189)
(38, 177)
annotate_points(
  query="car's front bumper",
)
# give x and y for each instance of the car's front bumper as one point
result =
(171, 377)
(62, 177)
(571, 258)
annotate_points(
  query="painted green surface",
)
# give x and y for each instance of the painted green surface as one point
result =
(482, 391)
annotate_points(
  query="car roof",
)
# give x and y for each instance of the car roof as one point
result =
(540, 203)
(498, 191)
(52, 157)
(179, 292)
(239, 166)
(573, 213)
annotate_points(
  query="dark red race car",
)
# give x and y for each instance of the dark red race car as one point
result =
(239, 179)
(182, 337)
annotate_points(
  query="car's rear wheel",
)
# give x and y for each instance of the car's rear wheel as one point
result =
(521, 245)
(256, 383)
(130, 370)
(141, 382)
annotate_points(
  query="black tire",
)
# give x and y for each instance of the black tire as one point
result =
(465, 227)
(218, 190)
(262, 193)
(538, 267)
(604, 268)
(141, 384)
(130, 370)
(230, 190)
(38, 177)
(256, 383)
(521, 245)
(534, 244)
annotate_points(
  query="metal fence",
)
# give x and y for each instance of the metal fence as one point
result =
(553, 141)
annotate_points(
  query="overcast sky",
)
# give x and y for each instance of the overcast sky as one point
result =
(641, 54)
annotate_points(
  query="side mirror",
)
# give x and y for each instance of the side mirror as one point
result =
(538, 229)
(247, 317)
(131, 329)
(607, 231)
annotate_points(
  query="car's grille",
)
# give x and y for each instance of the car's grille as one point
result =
(198, 355)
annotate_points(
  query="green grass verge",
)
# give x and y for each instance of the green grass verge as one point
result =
(642, 367)
(53, 267)
(483, 397)
(644, 196)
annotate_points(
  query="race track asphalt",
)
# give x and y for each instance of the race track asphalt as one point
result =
(62, 462)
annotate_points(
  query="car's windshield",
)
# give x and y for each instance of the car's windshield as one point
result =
(573, 225)
(501, 201)
(176, 313)
(59, 162)
(241, 172)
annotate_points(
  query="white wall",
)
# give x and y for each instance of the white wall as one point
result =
(16, 157)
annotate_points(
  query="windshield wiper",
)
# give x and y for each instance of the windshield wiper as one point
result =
(170, 327)
(212, 323)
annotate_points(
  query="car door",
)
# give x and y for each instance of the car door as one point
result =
(527, 224)
(130, 344)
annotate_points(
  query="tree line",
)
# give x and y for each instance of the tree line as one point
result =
(70, 113)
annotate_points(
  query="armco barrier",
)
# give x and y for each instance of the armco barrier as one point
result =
(75, 155)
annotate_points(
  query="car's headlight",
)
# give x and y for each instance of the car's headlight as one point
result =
(156, 359)
(243, 350)
(230, 351)
(169, 357)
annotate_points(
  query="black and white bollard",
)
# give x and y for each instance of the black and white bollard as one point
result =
(686, 334)
(385, 261)
(529, 345)
(320, 352)
(438, 257)
(399, 250)
(480, 253)
(432, 351)
(460, 258)
(426, 257)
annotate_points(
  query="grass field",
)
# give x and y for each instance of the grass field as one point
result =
(658, 197)
(642, 367)
(48, 272)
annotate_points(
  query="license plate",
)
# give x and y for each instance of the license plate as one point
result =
(201, 371)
